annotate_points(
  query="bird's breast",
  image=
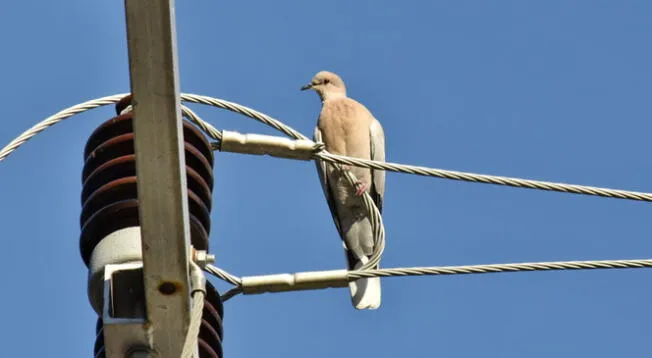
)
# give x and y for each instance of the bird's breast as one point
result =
(344, 125)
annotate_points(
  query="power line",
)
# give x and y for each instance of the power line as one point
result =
(316, 151)
(323, 155)
(339, 278)
(486, 179)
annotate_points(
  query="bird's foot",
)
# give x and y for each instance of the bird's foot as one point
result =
(346, 167)
(360, 188)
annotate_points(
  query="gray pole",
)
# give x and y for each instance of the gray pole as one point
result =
(160, 167)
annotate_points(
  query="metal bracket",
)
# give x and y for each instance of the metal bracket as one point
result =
(125, 329)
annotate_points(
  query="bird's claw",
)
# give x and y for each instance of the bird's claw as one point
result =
(360, 188)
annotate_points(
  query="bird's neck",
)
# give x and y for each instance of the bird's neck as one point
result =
(329, 96)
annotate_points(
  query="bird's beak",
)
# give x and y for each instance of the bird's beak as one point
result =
(306, 87)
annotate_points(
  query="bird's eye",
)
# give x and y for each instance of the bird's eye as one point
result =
(327, 81)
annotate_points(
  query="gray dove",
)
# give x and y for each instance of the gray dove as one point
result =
(346, 127)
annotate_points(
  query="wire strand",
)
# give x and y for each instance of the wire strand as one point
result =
(54, 119)
(495, 268)
(486, 179)
(231, 293)
(190, 344)
(315, 279)
(223, 275)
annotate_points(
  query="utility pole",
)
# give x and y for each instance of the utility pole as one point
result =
(146, 197)
(163, 201)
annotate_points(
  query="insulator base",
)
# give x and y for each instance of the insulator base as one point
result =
(109, 220)
(110, 194)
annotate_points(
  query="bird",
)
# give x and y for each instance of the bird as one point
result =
(347, 127)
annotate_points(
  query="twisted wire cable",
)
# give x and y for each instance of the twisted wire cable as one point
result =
(88, 105)
(226, 277)
(494, 268)
(223, 275)
(231, 293)
(54, 119)
(483, 178)
(203, 125)
(246, 111)
(190, 344)
(420, 170)
(339, 278)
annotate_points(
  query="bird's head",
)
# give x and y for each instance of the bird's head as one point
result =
(328, 85)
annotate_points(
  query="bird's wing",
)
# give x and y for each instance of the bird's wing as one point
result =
(377, 141)
(323, 179)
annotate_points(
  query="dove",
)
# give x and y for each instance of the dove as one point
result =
(346, 127)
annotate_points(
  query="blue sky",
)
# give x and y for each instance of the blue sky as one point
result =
(554, 90)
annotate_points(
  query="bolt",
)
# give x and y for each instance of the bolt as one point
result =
(203, 258)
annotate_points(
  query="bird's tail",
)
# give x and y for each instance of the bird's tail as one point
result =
(365, 292)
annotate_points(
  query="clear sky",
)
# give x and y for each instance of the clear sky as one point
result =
(551, 90)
